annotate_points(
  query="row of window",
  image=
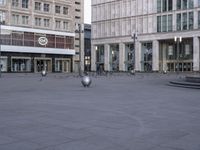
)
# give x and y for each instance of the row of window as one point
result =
(39, 6)
(184, 21)
(31, 40)
(167, 5)
(40, 22)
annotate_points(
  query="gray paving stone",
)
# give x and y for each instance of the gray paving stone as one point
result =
(115, 113)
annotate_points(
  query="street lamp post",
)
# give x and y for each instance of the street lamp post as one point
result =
(134, 37)
(79, 29)
(178, 41)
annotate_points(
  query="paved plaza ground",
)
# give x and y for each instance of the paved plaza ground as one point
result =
(116, 113)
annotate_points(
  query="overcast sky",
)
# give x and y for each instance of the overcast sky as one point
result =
(87, 18)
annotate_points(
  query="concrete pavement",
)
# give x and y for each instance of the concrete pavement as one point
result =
(116, 113)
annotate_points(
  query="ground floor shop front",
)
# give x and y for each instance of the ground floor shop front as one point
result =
(173, 54)
(18, 62)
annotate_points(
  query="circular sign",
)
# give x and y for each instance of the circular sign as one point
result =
(43, 41)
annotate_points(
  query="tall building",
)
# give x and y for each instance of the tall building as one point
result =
(38, 35)
(146, 35)
(79, 38)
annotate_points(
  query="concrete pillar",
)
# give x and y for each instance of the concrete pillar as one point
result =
(196, 54)
(107, 57)
(121, 57)
(155, 55)
(93, 58)
(195, 20)
(164, 52)
(138, 48)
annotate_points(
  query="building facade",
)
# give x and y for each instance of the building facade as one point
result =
(37, 35)
(146, 35)
(87, 47)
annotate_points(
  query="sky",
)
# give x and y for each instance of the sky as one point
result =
(87, 8)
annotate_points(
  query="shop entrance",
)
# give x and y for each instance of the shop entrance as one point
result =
(175, 57)
(62, 65)
(43, 64)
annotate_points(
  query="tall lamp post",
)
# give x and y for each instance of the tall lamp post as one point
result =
(80, 29)
(178, 41)
(134, 37)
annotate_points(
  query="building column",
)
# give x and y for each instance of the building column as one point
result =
(138, 48)
(107, 57)
(93, 58)
(121, 57)
(195, 20)
(155, 56)
(196, 54)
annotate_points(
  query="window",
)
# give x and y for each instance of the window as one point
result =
(46, 7)
(184, 4)
(46, 22)
(57, 9)
(164, 23)
(58, 24)
(191, 4)
(25, 20)
(191, 20)
(184, 21)
(37, 6)
(65, 25)
(170, 5)
(198, 19)
(25, 3)
(2, 17)
(199, 2)
(158, 5)
(2, 2)
(15, 3)
(65, 10)
(159, 24)
(178, 22)
(15, 19)
(178, 4)
(170, 23)
(38, 21)
(164, 5)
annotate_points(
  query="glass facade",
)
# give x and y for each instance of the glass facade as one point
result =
(114, 57)
(100, 57)
(164, 23)
(21, 64)
(129, 57)
(164, 5)
(146, 57)
(3, 64)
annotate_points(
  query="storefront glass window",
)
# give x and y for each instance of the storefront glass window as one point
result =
(129, 57)
(3, 64)
(21, 65)
(114, 57)
(146, 59)
(100, 58)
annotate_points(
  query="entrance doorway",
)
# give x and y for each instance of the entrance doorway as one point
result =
(146, 54)
(62, 65)
(43, 64)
